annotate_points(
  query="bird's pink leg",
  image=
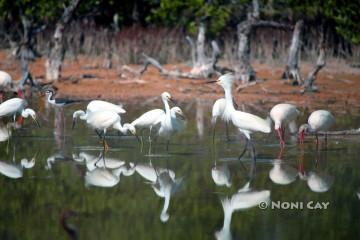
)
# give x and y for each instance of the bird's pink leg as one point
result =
(301, 137)
(280, 135)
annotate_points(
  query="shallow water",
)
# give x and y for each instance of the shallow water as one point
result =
(58, 195)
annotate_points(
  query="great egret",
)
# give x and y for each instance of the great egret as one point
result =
(17, 105)
(283, 115)
(320, 120)
(245, 122)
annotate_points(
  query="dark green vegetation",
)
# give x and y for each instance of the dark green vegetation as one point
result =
(31, 206)
(341, 16)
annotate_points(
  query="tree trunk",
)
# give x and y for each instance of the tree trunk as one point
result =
(244, 70)
(320, 63)
(56, 56)
(292, 67)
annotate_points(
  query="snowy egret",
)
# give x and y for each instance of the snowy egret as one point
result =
(218, 112)
(245, 122)
(5, 83)
(17, 105)
(102, 120)
(60, 102)
(151, 118)
(283, 115)
(97, 105)
(243, 199)
(320, 120)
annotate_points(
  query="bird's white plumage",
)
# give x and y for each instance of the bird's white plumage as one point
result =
(10, 170)
(101, 177)
(148, 119)
(221, 175)
(99, 105)
(283, 114)
(321, 120)
(102, 120)
(5, 80)
(218, 110)
(249, 122)
(12, 106)
(319, 182)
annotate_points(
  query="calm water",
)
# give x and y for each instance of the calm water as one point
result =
(60, 195)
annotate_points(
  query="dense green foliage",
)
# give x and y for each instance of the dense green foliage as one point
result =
(342, 15)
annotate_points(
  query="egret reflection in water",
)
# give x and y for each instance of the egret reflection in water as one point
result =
(15, 170)
(163, 182)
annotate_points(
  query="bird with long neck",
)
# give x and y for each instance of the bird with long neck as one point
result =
(245, 122)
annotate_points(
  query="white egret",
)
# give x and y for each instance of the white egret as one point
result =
(17, 105)
(151, 118)
(5, 83)
(102, 120)
(218, 112)
(60, 102)
(283, 115)
(94, 106)
(245, 198)
(245, 122)
(318, 121)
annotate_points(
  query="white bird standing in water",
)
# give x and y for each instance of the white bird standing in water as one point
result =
(97, 105)
(283, 115)
(245, 122)
(102, 120)
(319, 121)
(17, 105)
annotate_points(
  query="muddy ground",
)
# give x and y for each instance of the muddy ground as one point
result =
(338, 84)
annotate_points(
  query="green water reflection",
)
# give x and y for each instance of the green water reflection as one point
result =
(132, 205)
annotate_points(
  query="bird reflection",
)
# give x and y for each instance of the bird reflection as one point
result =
(358, 194)
(243, 199)
(5, 130)
(221, 175)
(105, 177)
(163, 182)
(93, 162)
(317, 180)
(281, 172)
(13, 170)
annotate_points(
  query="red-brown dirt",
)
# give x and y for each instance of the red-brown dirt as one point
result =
(339, 85)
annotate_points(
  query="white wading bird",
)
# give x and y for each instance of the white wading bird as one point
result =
(151, 118)
(5, 83)
(218, 110)
(17, 105)
(94, 106)
(284, 115)
(102, 120)
(246, 123)
(245, 198)
(319, 121)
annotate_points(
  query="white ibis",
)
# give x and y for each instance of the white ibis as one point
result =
(102, 120)
(59, 102)
(245, 198)
(246, 123)
(318, 121)
(17, 105)
(284, 115)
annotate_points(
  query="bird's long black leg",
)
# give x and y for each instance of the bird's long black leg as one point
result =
(227, 131)
(245, 148)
